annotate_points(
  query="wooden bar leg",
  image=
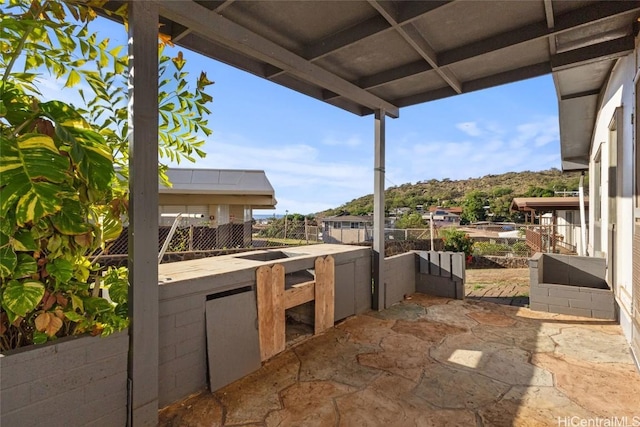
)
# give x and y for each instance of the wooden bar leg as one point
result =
(324, 293)
(279, 321)
(265, 311)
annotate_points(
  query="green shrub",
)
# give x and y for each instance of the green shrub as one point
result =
(457, 241)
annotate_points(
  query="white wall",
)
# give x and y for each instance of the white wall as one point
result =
(619, 92)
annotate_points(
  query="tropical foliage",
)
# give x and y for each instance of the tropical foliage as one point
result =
(61, 200)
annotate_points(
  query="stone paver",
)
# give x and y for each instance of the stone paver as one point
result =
(434, 362)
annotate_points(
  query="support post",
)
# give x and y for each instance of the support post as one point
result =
(143, 210)
(378, 301)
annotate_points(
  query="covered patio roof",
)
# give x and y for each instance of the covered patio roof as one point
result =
(365, 55)
(546, 204)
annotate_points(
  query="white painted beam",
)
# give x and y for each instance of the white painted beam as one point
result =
(378, 302)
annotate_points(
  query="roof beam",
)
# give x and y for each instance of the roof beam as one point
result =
(394, 74)
(569, 21)
(415, 39)
(389, 76)
(587, 15)
(220, 30)
(510, 76)
(548, 12)
(608, 50)
(346, 37)
(407, 11)
(592, 92)
(412, 10)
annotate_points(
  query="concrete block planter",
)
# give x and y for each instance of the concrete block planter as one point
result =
(73, 381)
(567, 284)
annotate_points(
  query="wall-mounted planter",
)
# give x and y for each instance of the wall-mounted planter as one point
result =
(73, 381)
(568, 284)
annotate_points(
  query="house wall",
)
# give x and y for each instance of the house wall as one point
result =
(346, 235)
(619, 93)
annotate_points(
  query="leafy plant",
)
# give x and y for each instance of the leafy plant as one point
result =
(457, 241)
(61, 200)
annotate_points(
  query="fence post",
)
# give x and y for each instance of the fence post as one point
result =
(191, 237)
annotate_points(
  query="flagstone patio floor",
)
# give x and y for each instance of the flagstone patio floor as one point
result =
(435, 362)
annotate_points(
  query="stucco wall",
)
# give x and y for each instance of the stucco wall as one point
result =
(619, 92)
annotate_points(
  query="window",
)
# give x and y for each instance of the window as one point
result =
(355, 225)
(597, 200)
(614, 172)
(636, 151)
(337, 224)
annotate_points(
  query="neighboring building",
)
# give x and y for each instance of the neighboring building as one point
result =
(216, 198)
(347, 229)
(599, 131)
(558, 219)
(443, 217)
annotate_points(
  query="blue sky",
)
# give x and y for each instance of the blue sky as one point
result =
(318, 156)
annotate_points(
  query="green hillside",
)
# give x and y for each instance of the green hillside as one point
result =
(496, 191)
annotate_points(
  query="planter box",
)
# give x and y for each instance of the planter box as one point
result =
(567, 284)
(73, 381)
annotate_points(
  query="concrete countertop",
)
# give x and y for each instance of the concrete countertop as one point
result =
(174, 272)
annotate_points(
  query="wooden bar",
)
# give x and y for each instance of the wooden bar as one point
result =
(265, 311)
(324, 294)
(271, 311)
(299, 294)
(279, 333)
(273, 300)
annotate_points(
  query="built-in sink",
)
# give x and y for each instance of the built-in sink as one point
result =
(268, 255)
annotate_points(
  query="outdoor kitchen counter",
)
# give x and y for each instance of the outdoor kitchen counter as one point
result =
(297, 258)
(208, 311)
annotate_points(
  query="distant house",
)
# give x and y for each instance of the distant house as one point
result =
(347, 229)
(443, 217)
(216, 198)
(558, 219)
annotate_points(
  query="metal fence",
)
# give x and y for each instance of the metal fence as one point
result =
(188, 238)
(285, 233)
(520, 241)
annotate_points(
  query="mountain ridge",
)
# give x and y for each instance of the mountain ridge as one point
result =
(497, 189)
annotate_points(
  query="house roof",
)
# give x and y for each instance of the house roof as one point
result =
(547, 203)
(453, 209)
(347, 218)
(218, 181)
(230, 186)
(365, 55)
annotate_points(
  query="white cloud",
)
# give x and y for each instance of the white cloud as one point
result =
(303, 182)
(488, 148)
(470, 128)
(350, 141)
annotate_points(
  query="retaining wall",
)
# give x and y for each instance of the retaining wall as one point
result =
(73, 381)
(428, 272)
(568, 284)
